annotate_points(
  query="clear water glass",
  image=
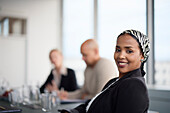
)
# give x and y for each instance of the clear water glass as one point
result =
(26, 94)
(46, 102)
(55, 100)
(34, 95)
(15, 98)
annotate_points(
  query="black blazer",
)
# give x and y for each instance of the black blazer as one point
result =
(127, 95)
(69, 82)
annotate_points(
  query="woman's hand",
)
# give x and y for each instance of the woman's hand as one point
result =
(63, 95)
(52, 87)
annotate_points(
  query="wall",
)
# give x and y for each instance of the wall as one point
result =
(12, 60)
(42, 35)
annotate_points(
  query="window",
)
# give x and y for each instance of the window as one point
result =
(77, 27)
(12, 26)
(5, 27)
(116, 16)
(162, 42)
(113, 18)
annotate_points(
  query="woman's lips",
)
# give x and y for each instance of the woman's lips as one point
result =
(122, 64)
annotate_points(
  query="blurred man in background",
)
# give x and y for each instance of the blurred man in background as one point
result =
(97, 73)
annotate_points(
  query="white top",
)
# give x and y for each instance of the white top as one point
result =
(57, 76)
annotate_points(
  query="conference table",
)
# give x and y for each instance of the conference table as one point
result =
(28, 109)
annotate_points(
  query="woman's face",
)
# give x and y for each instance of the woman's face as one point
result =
(127, 54)
(56, 59)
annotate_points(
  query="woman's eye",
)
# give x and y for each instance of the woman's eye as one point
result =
(117, 50)
(129, 51)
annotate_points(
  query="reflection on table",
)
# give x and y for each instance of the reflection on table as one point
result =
(30, 109)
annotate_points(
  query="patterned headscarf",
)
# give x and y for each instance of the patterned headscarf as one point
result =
(142, 39)
(144, 44)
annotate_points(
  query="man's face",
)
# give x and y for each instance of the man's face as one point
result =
(88, 55)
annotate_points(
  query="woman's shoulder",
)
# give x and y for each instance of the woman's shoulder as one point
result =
(133, 82)
(70, 72)
(70, 69)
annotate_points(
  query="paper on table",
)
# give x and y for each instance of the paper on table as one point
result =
(69, 101)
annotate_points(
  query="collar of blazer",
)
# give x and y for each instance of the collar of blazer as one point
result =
(134, 73)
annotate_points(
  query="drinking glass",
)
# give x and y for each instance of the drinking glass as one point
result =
(15, 98)
(34, 95)
(55, 100)
(46, 102)
(26, 94)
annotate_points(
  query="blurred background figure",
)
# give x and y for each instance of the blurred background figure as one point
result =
(97, 73)
(60, 76)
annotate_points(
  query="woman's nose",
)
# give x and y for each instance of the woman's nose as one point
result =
(121, 55)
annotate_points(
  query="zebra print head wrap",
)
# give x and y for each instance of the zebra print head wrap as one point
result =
(143, 41)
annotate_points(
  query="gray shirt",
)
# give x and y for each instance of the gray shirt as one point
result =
(95, 79)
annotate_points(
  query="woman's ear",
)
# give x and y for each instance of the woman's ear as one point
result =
(142, 58)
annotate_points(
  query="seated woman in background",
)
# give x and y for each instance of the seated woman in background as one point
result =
(60, 76)
(128, 92)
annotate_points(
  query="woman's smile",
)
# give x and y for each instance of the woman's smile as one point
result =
(122, 64)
